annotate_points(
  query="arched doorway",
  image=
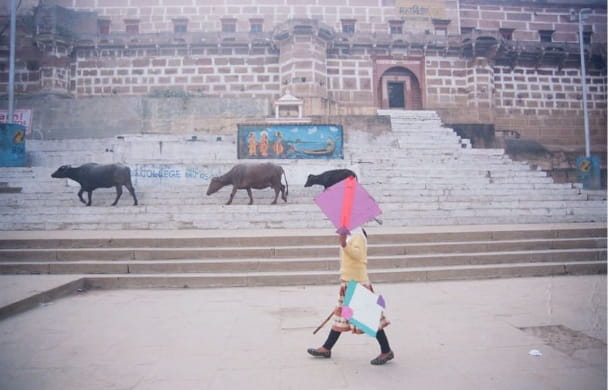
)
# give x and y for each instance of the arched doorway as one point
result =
(400, 89)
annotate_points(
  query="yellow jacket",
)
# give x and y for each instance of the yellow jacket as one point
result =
(354, 259)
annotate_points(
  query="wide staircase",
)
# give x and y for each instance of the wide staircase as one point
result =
(305, 256)
(449, 212)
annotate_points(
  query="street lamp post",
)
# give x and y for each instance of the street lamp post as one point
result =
(582, 14)
(11, 73)
(588, 166)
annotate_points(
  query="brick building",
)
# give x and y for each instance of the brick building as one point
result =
(492, 69)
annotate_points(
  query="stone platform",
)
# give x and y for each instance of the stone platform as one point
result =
(458, 335)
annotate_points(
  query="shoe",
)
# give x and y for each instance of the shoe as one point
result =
(379, 360)
(316, 353)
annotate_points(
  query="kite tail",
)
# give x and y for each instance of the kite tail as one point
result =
(348, 202)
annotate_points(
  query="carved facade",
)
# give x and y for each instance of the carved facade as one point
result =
(512, 66)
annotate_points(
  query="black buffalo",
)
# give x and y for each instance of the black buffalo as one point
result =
(91, 176)
(248, 176)
(329, 178)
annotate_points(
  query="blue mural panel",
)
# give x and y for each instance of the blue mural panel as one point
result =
(289, 142)
(12, 145)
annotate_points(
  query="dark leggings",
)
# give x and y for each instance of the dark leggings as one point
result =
(333, 336)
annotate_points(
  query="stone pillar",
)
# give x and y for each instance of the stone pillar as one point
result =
(303, 45)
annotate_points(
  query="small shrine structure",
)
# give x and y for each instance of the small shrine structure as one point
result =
(286, 105)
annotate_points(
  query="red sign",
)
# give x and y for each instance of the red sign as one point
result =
(21, 117)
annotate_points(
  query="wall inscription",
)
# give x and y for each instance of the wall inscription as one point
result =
(421, 10)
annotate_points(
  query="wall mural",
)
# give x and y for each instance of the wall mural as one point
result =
(289, 142)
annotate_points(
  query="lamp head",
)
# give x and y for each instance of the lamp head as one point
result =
(585, 12)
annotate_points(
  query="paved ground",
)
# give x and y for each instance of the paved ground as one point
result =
(446, 335)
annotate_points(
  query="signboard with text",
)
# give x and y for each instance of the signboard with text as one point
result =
(21, 117)
(421, 12)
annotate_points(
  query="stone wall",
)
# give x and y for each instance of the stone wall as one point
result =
(546, 105)
(61, 117)
(157, 15)
(204, 70)
(527, 19)
(350, 79)
(333, 72)
(461, 90)
(447, 82)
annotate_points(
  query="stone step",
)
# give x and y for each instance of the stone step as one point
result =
(104, 212)
(283, 253)
(305, 214)
(183, 223)
(254, 265)
(382, 192)
(420, 173)
(309, 210)
(323, 237)
(408, 114)
(445, 172)
(366, 175)
(406, 153)
(329, 277)
(167, 199)
(251, 257)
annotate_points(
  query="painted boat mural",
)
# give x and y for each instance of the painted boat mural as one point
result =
(289, 142)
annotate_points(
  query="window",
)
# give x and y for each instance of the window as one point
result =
(586, 37)
(546, 35)
(348, 26)
(507, 33)
(396, 26)
(440, 31)
(132, 26)
(440, 26)
(467, 30)
(256, 25)
(228, 25)
(180, 25)
(303, 29)
(103, 26)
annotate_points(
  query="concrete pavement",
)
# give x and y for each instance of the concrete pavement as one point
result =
(446, 335)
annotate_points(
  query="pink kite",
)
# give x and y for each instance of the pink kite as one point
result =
(347, 205)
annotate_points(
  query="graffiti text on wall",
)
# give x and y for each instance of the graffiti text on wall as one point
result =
(144, 174)
(290, 142)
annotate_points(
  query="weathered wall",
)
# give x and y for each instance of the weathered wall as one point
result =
(158, 81)
(203, 70)
(350, 78)
(527, 18)
(60, 117)
(57, 117)
(545, 105)
(372, 15)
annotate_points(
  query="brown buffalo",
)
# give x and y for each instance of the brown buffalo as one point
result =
(248, 176)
